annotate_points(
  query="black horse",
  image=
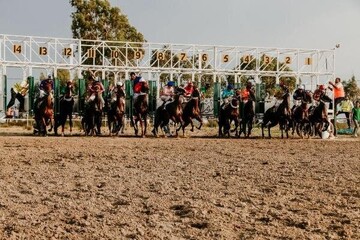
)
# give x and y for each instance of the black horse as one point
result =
(318, 116)
(228, 114)
(173, 111)
(66, 106)
(248, 115)
(92, 119)
(141, 110)
(116, 112)
(192, 111)
(280, 115)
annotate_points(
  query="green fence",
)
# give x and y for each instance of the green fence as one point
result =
(31, 94)
(217, 94)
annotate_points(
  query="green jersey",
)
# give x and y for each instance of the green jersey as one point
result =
(356, 113)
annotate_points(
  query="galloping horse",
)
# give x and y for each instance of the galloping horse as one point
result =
(300, 116)
(192, 110)
(279, 115)
(318, 115)
(116, 112)
(172, 111)
(92, 119)
(66, 109)
(248, 116)
(44, 113)
(141, 110)
(228, 114)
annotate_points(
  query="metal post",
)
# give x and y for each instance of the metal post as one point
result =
(4, 90)
(31, 94)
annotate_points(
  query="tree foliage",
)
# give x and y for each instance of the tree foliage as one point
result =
(98, 20)
(351, 88)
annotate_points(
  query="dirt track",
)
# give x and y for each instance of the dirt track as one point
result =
(184, 188)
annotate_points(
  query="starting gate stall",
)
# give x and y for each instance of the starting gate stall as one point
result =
(219, 63)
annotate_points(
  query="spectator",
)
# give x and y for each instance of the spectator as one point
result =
(339, 92)
(346, 107)
(356, 117)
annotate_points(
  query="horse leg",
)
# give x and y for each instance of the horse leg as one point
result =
(198, 118)
(192, 125)
(186, 123)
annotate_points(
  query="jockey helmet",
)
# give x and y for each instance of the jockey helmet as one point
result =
(170, 83)
(97, 79)
(301, 87)
(230, 86)
(120, 84)
(322, 87)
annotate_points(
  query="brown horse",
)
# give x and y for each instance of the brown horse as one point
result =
(44, 111)
(116, 112)
(172, 111)
(300, 116)
(192, 111)
(228, 114)
(141, 110)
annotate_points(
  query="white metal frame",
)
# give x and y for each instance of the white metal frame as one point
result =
(74, 55)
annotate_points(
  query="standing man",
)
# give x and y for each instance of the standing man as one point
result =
(346, 107)
(339, 92)
(18, 91)
(356, 117)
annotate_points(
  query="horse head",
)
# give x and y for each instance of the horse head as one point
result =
(145, 87)
(195, 93)
(308, 97)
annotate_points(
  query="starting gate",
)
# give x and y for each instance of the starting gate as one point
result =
(115, 60)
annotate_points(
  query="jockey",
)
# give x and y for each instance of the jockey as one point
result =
(137, 84)
(299, 94)
(96, 88)
(248, 92)
(189, 88)
(18, 91)
(167, 93)
(116, 90)
(227, 94)
(320, 95)
(43, 93)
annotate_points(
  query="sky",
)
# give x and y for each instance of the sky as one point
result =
(319, 24)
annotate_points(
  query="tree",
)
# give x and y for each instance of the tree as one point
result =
(97, 20)
(351, 89)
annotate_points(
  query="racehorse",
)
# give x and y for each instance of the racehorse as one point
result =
(228, 114)
(44, 113)
(280, 115)
(248, 116)
(192, 111)
(66, 106)
(141, 110)
(92, 119)
(116, 113)
(300, 116)
(172, 111)
(318, 116)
